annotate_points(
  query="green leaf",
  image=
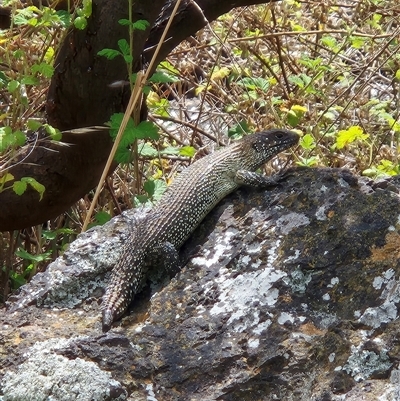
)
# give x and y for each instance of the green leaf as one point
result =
(65, 18)
(22, 253)
(155, 188)
(80, 23)
(20, 138)
(123, 155)
(254, 83)
(162, 77)
(188, 151)
(141, 24)
(239, 130)
(147, 130)
(19, 187)
(35, 185)
(54, 133)
(170, 150)
(5, 178)
(102, 217)
(33, 125)
(87, 8)
(307, 142)
(147, 150)
(13, 86)
(110, 54)
(124, 47)
(30, 80)
(43, 68)
(350, 135)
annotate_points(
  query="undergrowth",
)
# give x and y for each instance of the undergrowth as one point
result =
(330, 71)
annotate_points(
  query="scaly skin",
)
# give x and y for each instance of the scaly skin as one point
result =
(192, 195)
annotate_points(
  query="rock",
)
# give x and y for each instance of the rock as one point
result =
(289, 294)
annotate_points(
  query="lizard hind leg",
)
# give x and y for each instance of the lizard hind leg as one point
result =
(164, 258)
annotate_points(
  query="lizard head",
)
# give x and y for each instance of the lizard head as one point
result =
(262, 146)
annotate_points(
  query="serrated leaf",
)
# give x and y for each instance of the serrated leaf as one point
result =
(29, 80)
(188, 151)
(123, 155)
(398, 74)
(220, 73)
(307, 142)
(43, 68)
(147, 150)
(141, 24)
(170, 150)
(350, 135)
(254, 83)
(146, 130)
(239, 129)
(19, 187)
(64, 17)
(124, 47)
(110, 54)
(155, 188)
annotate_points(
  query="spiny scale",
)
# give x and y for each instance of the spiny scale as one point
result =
(192, 195)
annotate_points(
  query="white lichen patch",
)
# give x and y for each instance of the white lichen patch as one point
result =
(361, 364)
(334, 281)
(291, 221)
(238, 295)
(387, 311)
(285, 317)
(47, 375)
(320, 214)
(221, 248)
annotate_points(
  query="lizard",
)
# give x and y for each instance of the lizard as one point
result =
(191, 196)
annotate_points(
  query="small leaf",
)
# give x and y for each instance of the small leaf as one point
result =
(20, 138)
(54, 133)
(162, 77)
(35, 185)
(147, 150)
(155, 188)
(102, 217)
(124, 47)
(146, 130)
(80, 23)
(141, 24)
(188, 151)
(123, 155)
(33, 125)
(307, 142)
(13, 86)
(5, 178)
(43, 68)
(239, 130)
(19, 187)
(110, 54)
(22, 253)
(350, 135)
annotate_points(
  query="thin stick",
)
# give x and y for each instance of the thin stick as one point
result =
(135, 96)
